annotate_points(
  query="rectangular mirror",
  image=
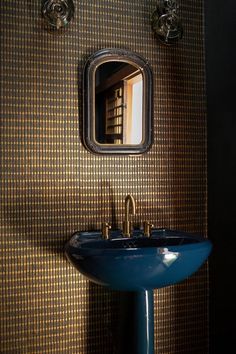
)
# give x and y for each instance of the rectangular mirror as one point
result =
(117, 103)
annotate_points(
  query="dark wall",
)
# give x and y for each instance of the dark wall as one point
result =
(52, 186)
(221, 89)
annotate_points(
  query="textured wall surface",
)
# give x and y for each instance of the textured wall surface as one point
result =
(51, 186)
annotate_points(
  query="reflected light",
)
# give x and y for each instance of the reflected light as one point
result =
(169, 257)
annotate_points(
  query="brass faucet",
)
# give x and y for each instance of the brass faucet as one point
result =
(129, 204)
(147, 227)
(105, 230)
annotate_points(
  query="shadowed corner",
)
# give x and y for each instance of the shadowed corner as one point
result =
(102, 320)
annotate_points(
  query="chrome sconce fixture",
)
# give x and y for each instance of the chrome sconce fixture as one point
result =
(166, 23)
(57, 13)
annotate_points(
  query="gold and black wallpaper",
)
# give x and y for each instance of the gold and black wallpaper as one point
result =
(51, 186)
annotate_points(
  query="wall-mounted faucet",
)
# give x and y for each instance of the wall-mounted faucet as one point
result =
(166, 23)
(57, 13)
(129, 209)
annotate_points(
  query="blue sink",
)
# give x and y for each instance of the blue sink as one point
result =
(137, 263)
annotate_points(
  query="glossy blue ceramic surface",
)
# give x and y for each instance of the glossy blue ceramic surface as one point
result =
(137, 263)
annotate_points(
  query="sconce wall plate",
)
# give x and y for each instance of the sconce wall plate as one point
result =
(166, 23)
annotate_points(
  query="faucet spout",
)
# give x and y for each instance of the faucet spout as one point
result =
(129, 209)
(129, 204)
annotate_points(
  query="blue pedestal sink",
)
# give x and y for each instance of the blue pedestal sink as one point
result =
(138, 264)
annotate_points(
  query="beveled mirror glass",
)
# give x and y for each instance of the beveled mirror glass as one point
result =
(117, 103)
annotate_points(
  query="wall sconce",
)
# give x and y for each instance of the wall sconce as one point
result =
(57, 13)
(165, 22)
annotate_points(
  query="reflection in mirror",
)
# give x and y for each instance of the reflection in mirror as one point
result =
(117, 103)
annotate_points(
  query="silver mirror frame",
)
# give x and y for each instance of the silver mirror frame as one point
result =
(91, 65)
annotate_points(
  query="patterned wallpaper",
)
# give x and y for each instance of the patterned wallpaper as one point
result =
(51, 186)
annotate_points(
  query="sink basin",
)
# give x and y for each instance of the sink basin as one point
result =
(137, 263)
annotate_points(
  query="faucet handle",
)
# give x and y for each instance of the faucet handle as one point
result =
(147, 226)
(105, 230)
